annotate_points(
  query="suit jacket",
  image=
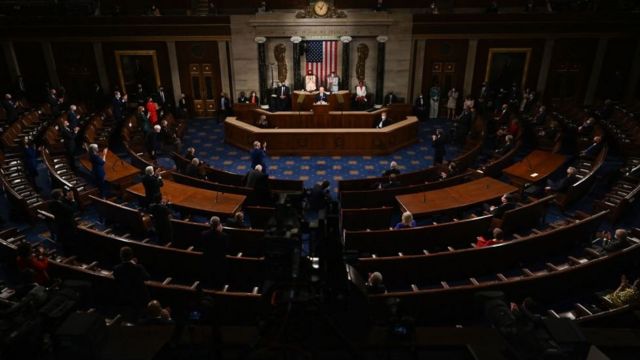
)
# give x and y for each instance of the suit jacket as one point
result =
(257, 158)
(243, 100)
(390, 99)
(283, 90)
(499, 211)
(438, 146)
(256, 180)
(153, 142)
(566, 183)
(130, 280)
(69, 137)
(97, 166)
(64, 213)
(615, 244)
(152, 185)
(322, 97)
(72, 117)
(227, 105)
(10, 108)
(382, 123)
(117, 108)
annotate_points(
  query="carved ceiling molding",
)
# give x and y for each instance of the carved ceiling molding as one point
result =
(278, 25)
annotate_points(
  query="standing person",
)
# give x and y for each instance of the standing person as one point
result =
(153, 142)
(225, 108)
(333, 82)
(253, 98)
(183, 107)
(31, 162)
(10, 109)
(97, 167)
(69, 135)
(161, 216)
(420, 108)
(63, 208)
(130, 277)
(434, 96)
(257, 180)
(152, 111)
(143, 120)
(152, 182)
(438, 143)
(283, 93)
(214, 246)
(118, 105)
(33, 263)
(163, 102)
(72, 115)
(452, 102)
(258, 154)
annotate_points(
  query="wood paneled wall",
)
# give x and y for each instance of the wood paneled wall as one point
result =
(76, 67)
(32, 67)
(198, 52)
(109, 49)
(482, 56)
(440, 56)
(570, 69)
(616, 68)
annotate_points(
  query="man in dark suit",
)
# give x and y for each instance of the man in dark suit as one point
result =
(322, 97)
(565, 184)
(97, 167)
(140, 95)
(258, 154)
(257, 180)
(63, 208)
(69, 135)
(438, 143)
(118, 104)
(225, 108)
(243, 99)
(541, 117)
(9, 107)
(593, 149)
(152, 182)
(153, 142)
(54, 102)
(618, 242)
(183, 106)
(506, 147)
(283, 93)
(384, 121)
(163, 99)
(319, 196)
(506, 204)
(420, 108)
(214, 244)
(393, 169)
(462, 125)
(130, 277)
(390, 98)
(161, 216)
(72, 116)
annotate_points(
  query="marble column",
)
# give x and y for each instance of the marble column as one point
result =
(380, 69)
(418, 69)
(346, 62)
(175, 70)
(101, 67)
(50, 63)
(472, 50)
(11, 59)
(592, 87)
(225, 77)
(297, 78)
(544, 68)
(262, 64)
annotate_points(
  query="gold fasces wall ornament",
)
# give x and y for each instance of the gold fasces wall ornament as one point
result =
(279, 52)
(363, 54)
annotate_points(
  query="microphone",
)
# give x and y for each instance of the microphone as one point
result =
(529, 163)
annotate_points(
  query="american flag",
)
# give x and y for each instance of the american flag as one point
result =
(322, 58)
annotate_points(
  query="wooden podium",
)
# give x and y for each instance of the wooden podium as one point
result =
(321, 115)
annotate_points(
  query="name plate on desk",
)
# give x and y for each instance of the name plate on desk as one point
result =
(534, 175)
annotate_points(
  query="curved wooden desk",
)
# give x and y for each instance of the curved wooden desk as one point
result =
(324, 141)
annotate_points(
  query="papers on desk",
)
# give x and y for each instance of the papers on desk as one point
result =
(533, 175)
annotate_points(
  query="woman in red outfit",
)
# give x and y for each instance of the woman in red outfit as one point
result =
(152, 110)
(35, 263)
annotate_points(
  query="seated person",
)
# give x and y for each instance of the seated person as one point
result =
(498, 237)
(310, 81)
(190, 154)
(618, 242)
(506, 204)
(541, 117)
(156, 315)
(512, 129)
(391, 183)
(506, 147)
(384, 121)
(263, 123)
(237, 221)
(322, 97)
(565, 184)
(407, 221)
(393, 169)
(33, 264)
(451, 170)
(390, 98)
(375, 284)
(626, 293)
(195, 169)
(593, 149)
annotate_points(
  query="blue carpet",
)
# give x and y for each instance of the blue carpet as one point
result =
(207, 138)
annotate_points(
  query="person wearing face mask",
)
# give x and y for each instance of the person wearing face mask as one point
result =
(384, 121)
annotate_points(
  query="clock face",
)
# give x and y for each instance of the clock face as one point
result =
(321, 8)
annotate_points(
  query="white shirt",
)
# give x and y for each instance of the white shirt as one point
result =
(361, 90)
